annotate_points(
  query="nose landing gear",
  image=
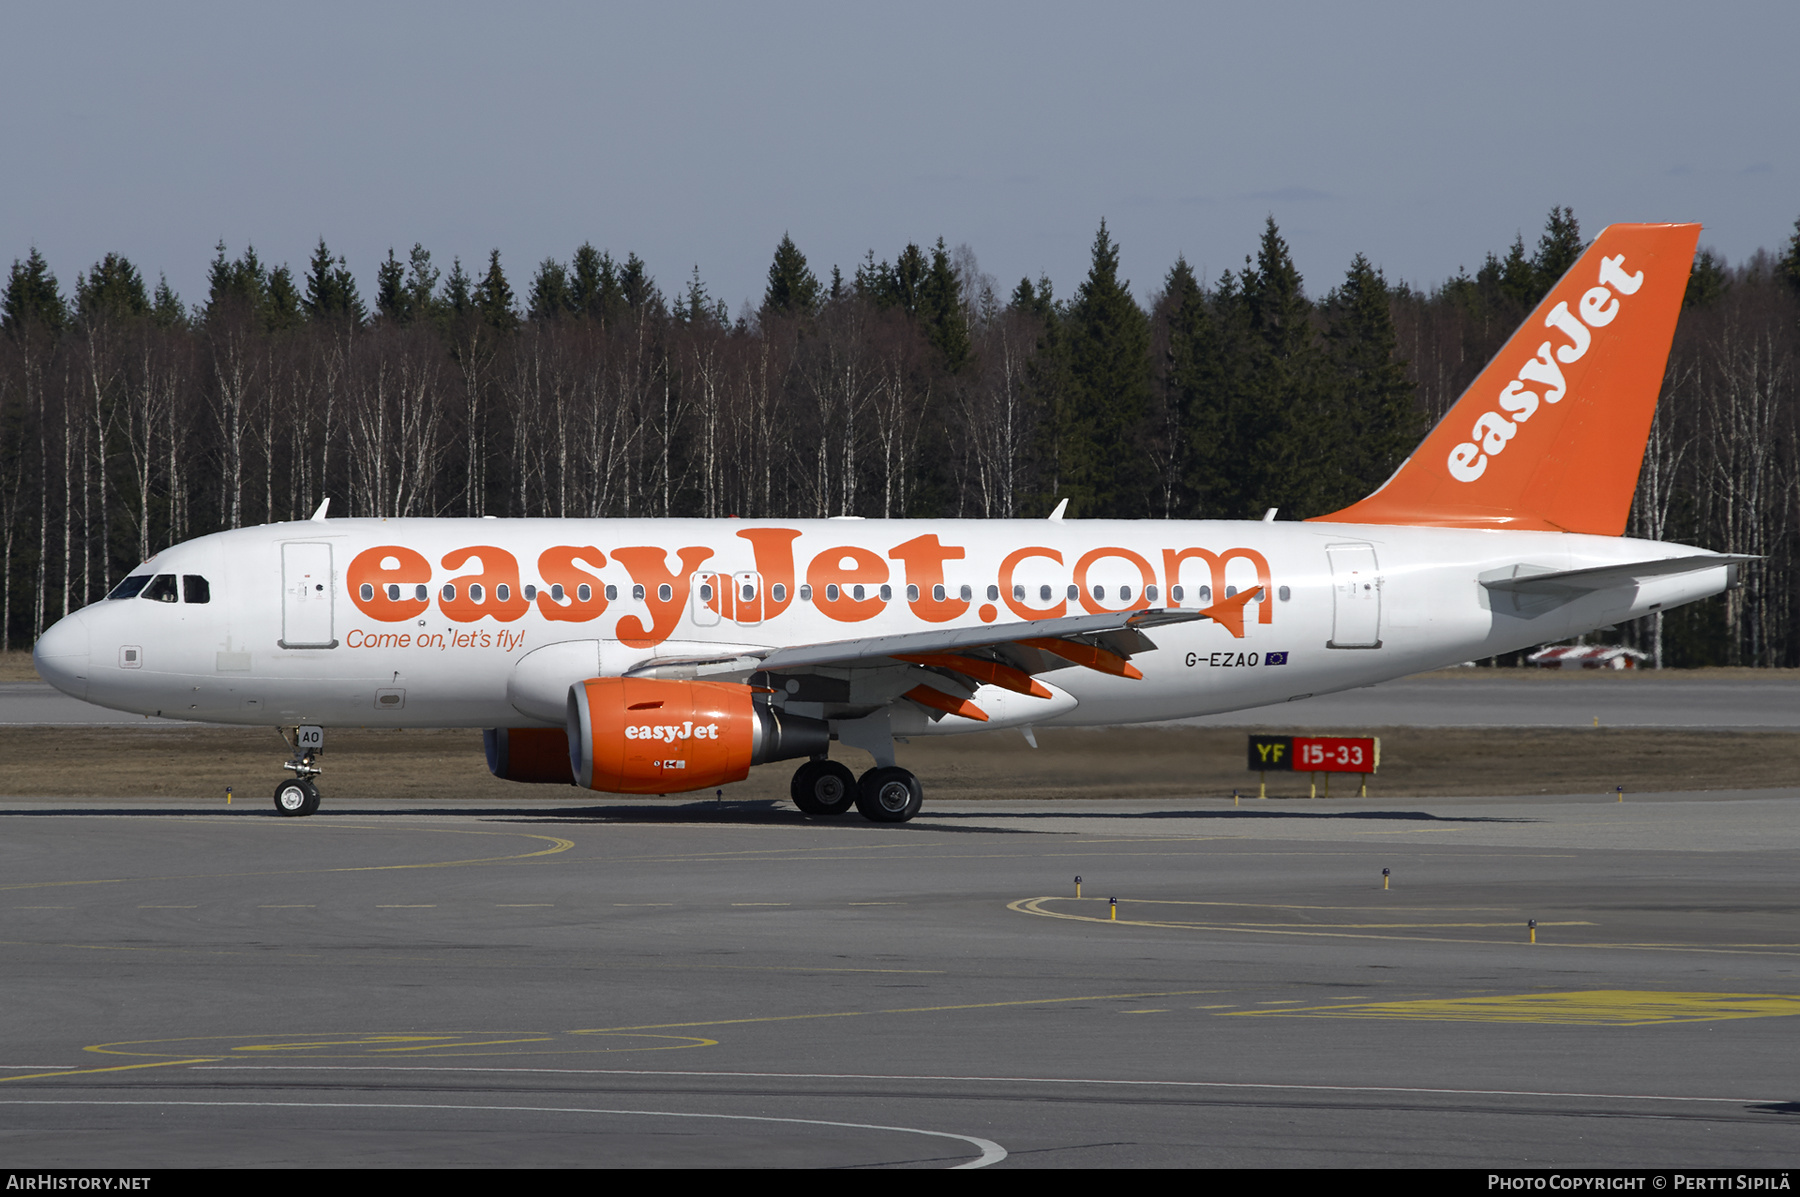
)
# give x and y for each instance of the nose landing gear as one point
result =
(300, 794)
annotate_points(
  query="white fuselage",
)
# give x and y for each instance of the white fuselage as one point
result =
(289, 635)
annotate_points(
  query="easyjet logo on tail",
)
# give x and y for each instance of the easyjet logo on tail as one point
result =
(1518, 401)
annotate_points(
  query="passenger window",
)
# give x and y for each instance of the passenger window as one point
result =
(420, 592)
(1206, 594)
(706, 592)
(503, 593)
(887, 594)
(194, 589)
(1175, 594)
(584, 592)
(937, 594)
(1124, 594)
(393, 592)
(612, 592)
(161, 589)
(806, 592)
(857, 593)
(530, 593)
(912, 592)
(556, 592)
(749, 592)
(1285, 594)
(778, 592)
(831, 592)
(967, 594)
(1150, 593)
(994, 593)
(1075, 591)
(665, 592)
(367, 592)
(130, 587)
(476, 593)
(637, 592)
(1043, 594)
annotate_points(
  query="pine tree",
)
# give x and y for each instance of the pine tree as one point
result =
(1106, 344)
(421, 284)
(550, 298)
(1707, 281)
(236, 288)
(594, 285)
(113, 288)
(1381, 421)
(32, 296)
(1288, 414)
(331, 289)
(458, 290)
(941, 309)
(638, 288)
(1558, 249)
(282, 309)
(1788, 267)
(793, 289)
(390, 290)
(494, 297)
(165, 306)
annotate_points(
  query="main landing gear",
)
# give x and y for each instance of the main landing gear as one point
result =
(885, 794)
(299, 795)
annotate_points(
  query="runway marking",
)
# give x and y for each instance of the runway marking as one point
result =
(724, 1022)
(291, 906)
(990, 1151)
(1590, 1008)
(194, 907)
(910, 1078)
(523, 905)
(878, 903)
(1369, 930)
(557, 844)
(366, 1045)
(406, 906)
(38, 1076)
(762, 903)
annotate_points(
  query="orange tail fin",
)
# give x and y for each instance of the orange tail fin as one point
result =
(1551, 434)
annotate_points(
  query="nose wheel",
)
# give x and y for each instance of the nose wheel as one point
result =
(300, 794)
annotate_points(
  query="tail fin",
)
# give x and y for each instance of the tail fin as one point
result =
(1551, 434)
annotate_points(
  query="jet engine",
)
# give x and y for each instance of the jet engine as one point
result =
(539, 754)
(631, 735)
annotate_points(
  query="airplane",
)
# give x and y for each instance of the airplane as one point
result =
(659, 656)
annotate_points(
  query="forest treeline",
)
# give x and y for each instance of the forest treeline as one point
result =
(915, 386)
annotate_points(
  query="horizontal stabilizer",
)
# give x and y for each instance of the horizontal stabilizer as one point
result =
(1602, 577)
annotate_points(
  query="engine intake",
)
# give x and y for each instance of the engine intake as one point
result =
(631, 735)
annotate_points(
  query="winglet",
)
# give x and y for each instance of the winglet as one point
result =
(318, 517)
(1550, 436)
(1060, 508)
(1230, 613)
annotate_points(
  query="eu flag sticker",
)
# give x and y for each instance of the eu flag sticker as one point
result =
(1274, 658)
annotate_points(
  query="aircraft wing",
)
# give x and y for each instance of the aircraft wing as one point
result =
(1114, 627)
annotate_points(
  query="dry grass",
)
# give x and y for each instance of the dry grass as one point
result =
(1106, 763)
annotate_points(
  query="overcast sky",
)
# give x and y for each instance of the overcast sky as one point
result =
(696, 134)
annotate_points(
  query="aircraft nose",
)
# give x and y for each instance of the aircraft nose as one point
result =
(61, 655)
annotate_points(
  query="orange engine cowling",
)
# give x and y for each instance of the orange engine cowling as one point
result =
(538, 754)
(630, 735)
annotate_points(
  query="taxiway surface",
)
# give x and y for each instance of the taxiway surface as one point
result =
(678, 983)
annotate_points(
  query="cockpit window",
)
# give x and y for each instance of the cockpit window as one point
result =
(194, 589)
(129, 587)
(161, 589)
